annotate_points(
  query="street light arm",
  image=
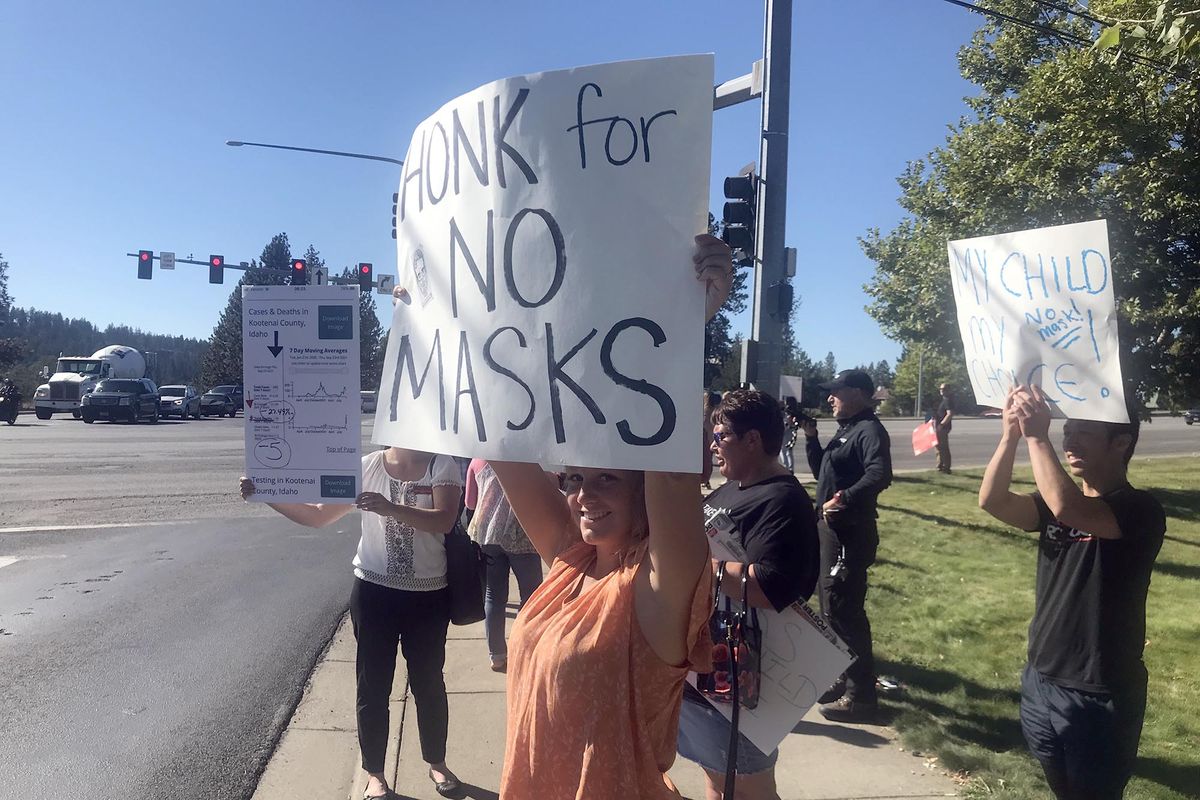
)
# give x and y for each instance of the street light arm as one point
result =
(235, 143)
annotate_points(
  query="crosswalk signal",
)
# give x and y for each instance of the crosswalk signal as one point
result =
(145, 264)
(299, 272)
(738, 230)
(216, 269)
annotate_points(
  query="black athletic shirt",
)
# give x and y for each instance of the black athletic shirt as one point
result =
(777, 527)
(1089, 625)
(947, 404)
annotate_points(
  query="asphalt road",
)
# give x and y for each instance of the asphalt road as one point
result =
(162, 657)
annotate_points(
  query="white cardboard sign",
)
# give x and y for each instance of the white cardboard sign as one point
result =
(791, 386)
(545, 231)
(801, 657)
(301, 384)
(1037, 307)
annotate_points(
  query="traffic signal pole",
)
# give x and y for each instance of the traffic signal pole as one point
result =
(762, 362)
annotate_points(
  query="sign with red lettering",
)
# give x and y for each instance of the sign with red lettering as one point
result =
(545, 228)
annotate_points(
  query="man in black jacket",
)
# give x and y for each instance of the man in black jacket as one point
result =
(851, 471)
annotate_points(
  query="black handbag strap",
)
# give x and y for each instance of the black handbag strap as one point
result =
(733, 640)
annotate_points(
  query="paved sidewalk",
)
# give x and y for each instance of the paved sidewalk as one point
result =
(317, 756)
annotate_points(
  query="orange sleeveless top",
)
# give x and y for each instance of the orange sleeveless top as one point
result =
(593, 712)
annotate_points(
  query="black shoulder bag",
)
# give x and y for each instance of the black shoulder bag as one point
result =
(465, 576)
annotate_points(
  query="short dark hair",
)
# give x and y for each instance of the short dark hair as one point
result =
(746, 410)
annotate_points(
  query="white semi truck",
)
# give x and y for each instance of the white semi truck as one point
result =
(75, 376)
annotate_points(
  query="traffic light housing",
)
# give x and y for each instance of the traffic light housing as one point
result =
(366, 277)
(395, 200)
(299, 272)
(145, 264)
(216, 269)
(738, 217)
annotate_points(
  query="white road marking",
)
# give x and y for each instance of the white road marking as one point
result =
(93, 527)
(8, 561)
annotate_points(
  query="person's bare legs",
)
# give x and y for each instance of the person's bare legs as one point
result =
(756, 786)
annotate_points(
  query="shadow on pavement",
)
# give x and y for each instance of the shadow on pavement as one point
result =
(856, 737)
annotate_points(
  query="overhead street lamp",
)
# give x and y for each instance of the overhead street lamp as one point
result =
(235, 143)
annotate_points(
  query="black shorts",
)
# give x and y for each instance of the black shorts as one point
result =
(1086, 742)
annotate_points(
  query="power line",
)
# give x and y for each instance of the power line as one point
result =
(1066, 10)
(1063, 35)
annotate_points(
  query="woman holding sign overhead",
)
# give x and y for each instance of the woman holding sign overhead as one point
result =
(598, 655)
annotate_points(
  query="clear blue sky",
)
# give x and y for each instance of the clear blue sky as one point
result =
(116, 117)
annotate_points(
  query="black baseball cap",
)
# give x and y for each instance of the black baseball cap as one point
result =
(851, 379)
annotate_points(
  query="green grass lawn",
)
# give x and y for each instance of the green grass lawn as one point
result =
(951, 599)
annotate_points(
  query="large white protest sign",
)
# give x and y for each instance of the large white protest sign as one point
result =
(301, 386)
(801, 657)
(791, 386)
(1036, 307)
(545, 234)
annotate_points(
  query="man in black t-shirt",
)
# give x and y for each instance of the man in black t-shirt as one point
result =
(1083, 692)
(942, 422)
(776, 525)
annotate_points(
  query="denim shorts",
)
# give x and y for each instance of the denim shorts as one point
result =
(704, 738)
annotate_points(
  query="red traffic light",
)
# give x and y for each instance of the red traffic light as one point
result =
(299, 264)
(366, 269)
(145, 264)
(216, 269)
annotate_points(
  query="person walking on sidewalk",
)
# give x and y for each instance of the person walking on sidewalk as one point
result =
(1083, 691)
(400, 596)
(941, 425)
(599, 654)
(851, 471)
(495, 528)
(776, 525)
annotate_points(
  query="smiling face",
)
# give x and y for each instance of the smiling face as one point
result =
(1090, 447)
(608, 505)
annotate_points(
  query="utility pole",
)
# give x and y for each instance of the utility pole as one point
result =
(770, 259)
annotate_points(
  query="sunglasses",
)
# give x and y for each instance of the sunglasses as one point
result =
(719, 437)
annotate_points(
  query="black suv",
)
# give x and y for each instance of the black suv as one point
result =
(234, 393)
(1191, 415)
(121, 398)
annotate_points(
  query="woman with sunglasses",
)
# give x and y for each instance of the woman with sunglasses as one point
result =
(599, 653)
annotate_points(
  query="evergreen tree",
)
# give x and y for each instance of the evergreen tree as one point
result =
(10, 348)
(719, 347)
(223, 361)
(371, 338)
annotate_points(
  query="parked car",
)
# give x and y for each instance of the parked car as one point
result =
(1191, 415)
(368, 402)
(121, 398)
(216, 404)
(179, 400)
(234, 393)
